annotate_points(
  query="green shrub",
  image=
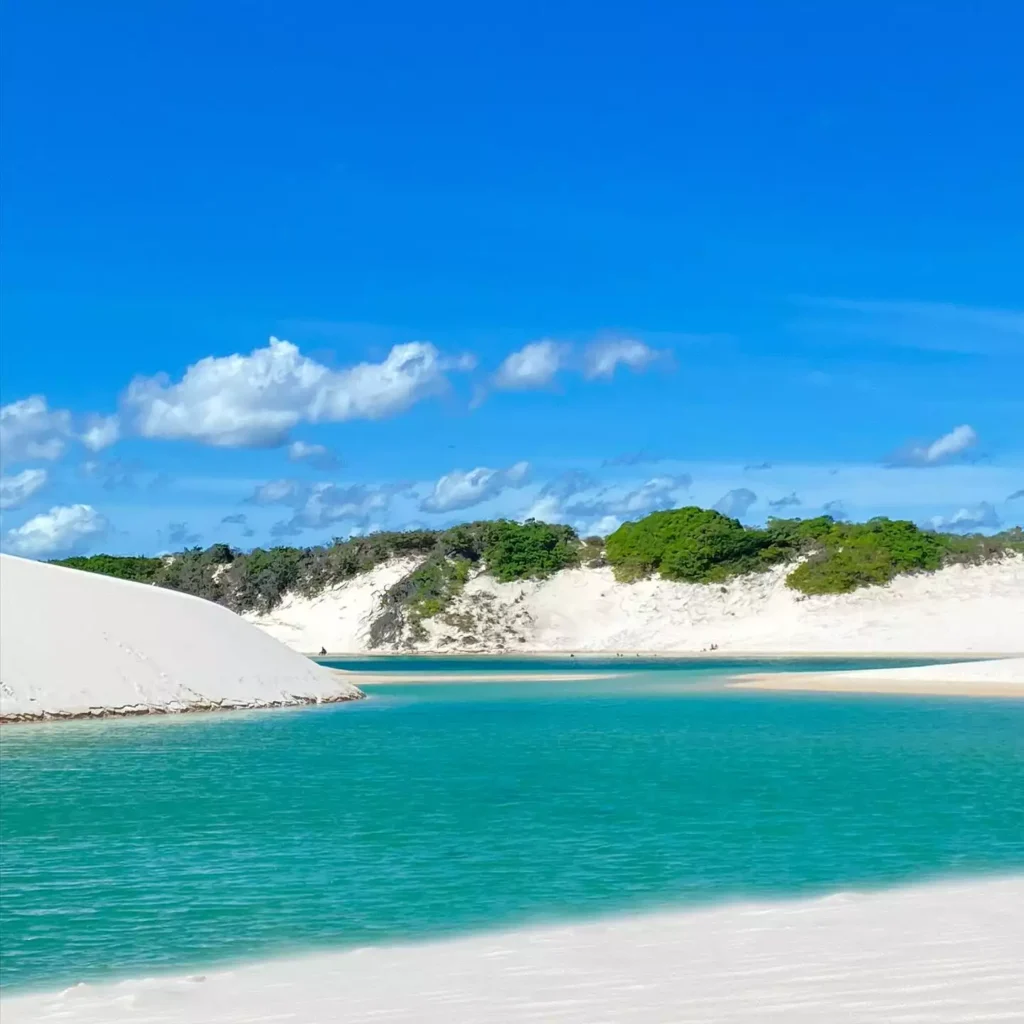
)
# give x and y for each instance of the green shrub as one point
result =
(692, 544)
(530, 550)
(696, 545)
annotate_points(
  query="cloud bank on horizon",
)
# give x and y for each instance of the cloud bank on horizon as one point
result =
(255, 402)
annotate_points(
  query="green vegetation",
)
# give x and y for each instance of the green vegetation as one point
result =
(691, 544)
(701, 546)
(257, 580)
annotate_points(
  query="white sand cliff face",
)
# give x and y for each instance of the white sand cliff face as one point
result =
(937, 954)
(341, 614)
(958, 610)
(78, 644)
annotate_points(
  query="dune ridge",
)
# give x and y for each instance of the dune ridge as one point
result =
(80, 645)
(959, 610)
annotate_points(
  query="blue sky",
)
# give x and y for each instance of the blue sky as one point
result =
(575, 260)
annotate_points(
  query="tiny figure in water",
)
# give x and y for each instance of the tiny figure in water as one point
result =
(323, 650)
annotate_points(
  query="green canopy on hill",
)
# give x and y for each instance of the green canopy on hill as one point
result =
(693, 545)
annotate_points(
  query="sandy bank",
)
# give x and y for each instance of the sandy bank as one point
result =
(407, 678)
(933, 955)
(999, 678)
(958, 610)
(75, 644)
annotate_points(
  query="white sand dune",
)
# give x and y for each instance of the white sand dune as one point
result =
(75, 643)
(958, 610)
(938, 954)
(341, 614)
(1003, 677)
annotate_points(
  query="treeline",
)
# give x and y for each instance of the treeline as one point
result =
(692, 545)
(698, 545)
(257, 580)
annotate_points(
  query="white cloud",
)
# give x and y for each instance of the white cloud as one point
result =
(736, 503)
(29, 429)
(602, 358)
(603, 527)
(460, 489)
(546, 509)
(64, 530)
(277, 492)
(944, 449)
(533, 366)
(324, 505)
(100, 432)
(786, 501)
(604, 512)
(1016, 495)
(969, 520)
(255, 400)
(17, 489)
(317, 455)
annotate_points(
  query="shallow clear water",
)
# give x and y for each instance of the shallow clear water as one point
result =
(136, 846)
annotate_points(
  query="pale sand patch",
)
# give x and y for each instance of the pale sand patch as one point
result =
(999, 678)
(938, 954)
(79, 644)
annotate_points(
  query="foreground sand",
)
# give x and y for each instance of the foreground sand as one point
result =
(956, 611)
(75, 644)
(934, 954)
(999, 678)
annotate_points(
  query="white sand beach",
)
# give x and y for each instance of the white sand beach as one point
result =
(1002, 677)
(78, 644)
(956, 611)
(945, 953)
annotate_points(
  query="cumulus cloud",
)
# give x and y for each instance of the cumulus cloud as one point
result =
(16, 489)
(64, 530)
(255, 400)
(326, 505)
(835, 509)
(602, 358)
(982, 516)
(756, 467)
(238, 519)
(276, 492)
(573, 481)
(533, 366)
(100, 432)
(736, 503)
(788, 501)
(30, 429)
(463, 489)
(944, 449)
(607, 510)
(317, 455)
(1016, 495)
(178, 533)
(604, 526)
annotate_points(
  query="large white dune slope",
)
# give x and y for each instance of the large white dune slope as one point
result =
(76, 643)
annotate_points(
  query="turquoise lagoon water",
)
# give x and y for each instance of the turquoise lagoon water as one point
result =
(141, 846)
